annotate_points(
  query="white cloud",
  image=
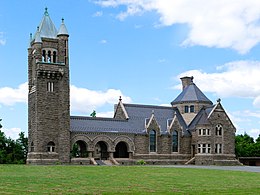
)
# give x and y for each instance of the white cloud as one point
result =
(98, 14)
(12, 132)
(234, 79)
(2, 40)
(85, 100)
(109, 114)
(9, 96)
(216, 23)
(82, 100)
(103, 41)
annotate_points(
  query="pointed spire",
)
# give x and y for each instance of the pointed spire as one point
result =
(30, 40)
(46, 12)
(38, 38)
(63, 30)
(47, 28)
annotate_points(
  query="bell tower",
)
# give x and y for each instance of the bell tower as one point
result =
(49, 94)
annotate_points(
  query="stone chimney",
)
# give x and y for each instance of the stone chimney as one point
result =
(186, 81)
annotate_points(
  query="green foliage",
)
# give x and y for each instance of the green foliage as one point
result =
(246, 147)
(13, 151)
(21, 179)
(93, 114)
(141, 162)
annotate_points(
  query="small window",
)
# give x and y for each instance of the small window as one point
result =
(186, 109)
(204, 132)
(32, 147)
(43, 56)
(49, 57)
(152, 137)
(51, 147)
(192, 108)
(50, 86)
(54, 56)
(175, 141)
(218, 148)
(204, 148)
(219, 130)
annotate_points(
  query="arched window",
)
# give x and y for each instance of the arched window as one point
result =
(54, 56)
(175, 141)
(51, 147)
(152, 137)
(219, 130)
(49, 57)
(43, 56)
(32, 147)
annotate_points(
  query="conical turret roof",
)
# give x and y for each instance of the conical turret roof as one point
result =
(46, 28)
(191, 93)
(63, 30)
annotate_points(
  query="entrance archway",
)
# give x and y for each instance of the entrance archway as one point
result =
(80, 149)
(121, 150)
(101, 151)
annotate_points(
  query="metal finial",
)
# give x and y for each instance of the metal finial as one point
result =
(218, 100)
(30, 36)
(46, 11)
(38, 28)
(62, 20)
(192, 78)
(120, 98)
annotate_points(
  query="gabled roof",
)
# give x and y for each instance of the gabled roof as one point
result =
(135, 124)
(201, 118)
(191, 93)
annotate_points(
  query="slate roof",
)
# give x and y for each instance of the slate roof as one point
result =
(135, 124)
(46, 27)
(63, 30)
(191, 93)
(201, 118)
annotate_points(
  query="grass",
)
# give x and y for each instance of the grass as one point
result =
(22, 179)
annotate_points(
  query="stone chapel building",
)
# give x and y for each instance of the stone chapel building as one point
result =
(192, 130)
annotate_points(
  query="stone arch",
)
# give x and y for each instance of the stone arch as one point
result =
(129, 143)
(107, 140)
(86, 139)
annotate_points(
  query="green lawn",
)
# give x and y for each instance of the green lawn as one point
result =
(22, 179)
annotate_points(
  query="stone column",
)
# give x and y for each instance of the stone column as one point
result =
(90, 154)
(111, 155)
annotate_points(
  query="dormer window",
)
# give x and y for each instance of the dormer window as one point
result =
(189, 109)
(192, 108)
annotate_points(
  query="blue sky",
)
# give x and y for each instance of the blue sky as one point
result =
(139, 49)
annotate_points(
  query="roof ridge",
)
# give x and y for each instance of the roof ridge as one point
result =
(97, 118)
(147, 106)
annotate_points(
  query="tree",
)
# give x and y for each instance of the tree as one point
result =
(246, 147)
(93, 114)
(13, 151)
